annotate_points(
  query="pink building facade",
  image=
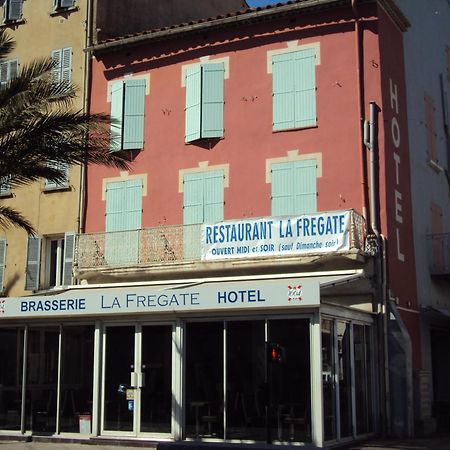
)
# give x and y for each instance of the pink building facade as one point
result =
(252, 276)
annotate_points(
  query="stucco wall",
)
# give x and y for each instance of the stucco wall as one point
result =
(51, 213)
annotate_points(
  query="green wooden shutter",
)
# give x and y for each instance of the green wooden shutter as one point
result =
(69, 250)
(294, 90)
(283, 91)
(117, 100)
(282, 189)
(123, 220)
(133, 116)
(305, 186)
(33, 263)
(2, 263)
(212, 100)
(305, 88)
(193, 199)
(294, 188)
(213, 187)
(193, 82)
(193, 214)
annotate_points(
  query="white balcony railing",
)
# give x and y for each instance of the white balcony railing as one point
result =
(162, 245)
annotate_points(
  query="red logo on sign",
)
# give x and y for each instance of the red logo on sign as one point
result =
(295, 293)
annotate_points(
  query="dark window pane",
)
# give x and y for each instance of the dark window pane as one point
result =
(246, 410)
(156, 395)
(76, 379)
(11, 354)
(204, 379)
(290, 381)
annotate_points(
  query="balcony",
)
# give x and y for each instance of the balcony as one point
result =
(168, 249)
(439, 254)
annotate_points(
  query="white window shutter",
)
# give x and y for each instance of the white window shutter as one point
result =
(33, 263)
(69, 253)
(57, 62)
(66, 65)
(2, 263)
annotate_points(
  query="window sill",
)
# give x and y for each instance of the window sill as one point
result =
(6, 195)
(435, 166)
(12, 23)
(60, 11)
(56, 189)
(306, 127)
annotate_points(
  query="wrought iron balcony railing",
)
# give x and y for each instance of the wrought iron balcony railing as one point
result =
(163, 245)
(439, 253)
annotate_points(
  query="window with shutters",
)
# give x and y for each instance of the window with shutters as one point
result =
(12, 10)
(63, 4)
(204, 112)
(294, 188)
(123, 221)
(54, 256)
(64, 182)
(294, 89)
(127, 114)
(8, 71)
(62, 65)
(5, 186)
(2, 263)
(203, 202)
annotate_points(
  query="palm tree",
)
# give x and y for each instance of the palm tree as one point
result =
(40, 132)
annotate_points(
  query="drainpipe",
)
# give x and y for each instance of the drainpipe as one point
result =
(360, 92)
(379, 248)
(86, 101)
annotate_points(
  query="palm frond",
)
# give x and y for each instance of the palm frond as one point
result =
(7, 44)
(9, 218)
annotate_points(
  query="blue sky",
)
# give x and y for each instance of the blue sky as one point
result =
(262, 2)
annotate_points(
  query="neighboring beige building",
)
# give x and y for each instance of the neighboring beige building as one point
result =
(62, 29)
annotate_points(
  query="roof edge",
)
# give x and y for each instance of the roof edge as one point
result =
(208, 24)
(395, 13)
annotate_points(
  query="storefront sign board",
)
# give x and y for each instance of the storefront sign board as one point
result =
(226, 296)
(310, 233)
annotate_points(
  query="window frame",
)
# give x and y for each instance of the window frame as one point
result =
(9, 68)
(7, 12)
(57, 5)
(50, 186)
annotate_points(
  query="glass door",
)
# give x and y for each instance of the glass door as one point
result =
(137, 380)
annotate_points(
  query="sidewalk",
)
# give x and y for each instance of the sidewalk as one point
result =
(437, 443)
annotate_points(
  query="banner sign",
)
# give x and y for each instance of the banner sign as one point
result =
(228, 296)
(285, 236)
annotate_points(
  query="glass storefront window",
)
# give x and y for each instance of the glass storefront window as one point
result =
(246, 408)
(11, 355)
(346, 366)
(76, 379)
(363, 395)
(204, 379)
(329, 380)
(42, 377)
(291, 381)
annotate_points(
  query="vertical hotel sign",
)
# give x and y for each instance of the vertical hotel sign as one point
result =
(397, 204)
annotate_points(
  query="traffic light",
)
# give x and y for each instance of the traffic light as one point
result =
(275, 353)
